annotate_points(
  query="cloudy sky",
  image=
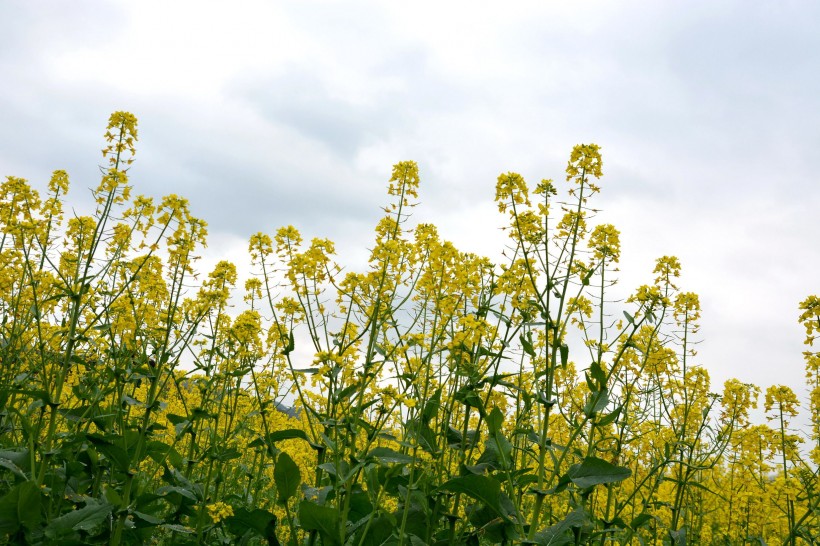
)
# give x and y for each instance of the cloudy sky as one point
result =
(268, 113)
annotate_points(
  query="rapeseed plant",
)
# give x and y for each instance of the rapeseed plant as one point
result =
(446, 399)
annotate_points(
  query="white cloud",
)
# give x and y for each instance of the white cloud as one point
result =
(265, 114)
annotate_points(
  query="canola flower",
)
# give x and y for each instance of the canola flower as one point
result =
(219, 511)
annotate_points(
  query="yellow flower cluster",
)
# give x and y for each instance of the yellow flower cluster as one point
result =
(219, 511)
(121, 135)
(585, 160)
(511, 190)
(404, 182)
(606, 242)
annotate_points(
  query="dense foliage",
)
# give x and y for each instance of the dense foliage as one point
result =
(434, 398)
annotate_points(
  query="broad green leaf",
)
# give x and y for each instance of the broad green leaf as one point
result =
(679, 537)
(598, 374)
(526, 344)
(380, 529)
(118, 456)
(291, 344)
(287, 477)
(185, 492)
(561, 533)
(493, 529)
(87, 519)
(261, 521)
(417, 524)
(177, 528)
(424, 435)
(287, 434)
(481, 488)
(497, 452)
(148, 519)
(610, 417)
(323, 519)
(453, 436)
(642, 519)
(20, 507)
(161, 453)
(597, 401)
(345, 393)
(494, 421)
(220, 453)
(360, 506)
(387, 455)
(21, 458)
(468, 396)
(8, 465)
(431, 407)
(594, 471)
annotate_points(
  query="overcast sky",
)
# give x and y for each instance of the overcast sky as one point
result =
(268, 113)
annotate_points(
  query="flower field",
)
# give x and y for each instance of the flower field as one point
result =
(445, 400)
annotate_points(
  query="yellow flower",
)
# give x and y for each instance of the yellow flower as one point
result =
(511, 189)
(405, 181)
(781, 399)
(219, 511)
(585, 160)
(606, 242)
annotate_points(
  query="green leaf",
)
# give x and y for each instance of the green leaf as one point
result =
(497, 453)
(679, 537)
(223, 454)
(360, 506)
(381, 528)
(87, 519)
(287, 434)
(21, 458)
(20, 507)
(561, 533)
(493, 529)
(323, 519)
(287, 477)
(184, 491)
(8, 465)
(610, 417)
(306, 370)
(177, 528)
(424, 435)
(495, 420)
(526, 344)
(629, 318)
(596, 402)
(345, 393)
(431, 407)
(598, 374)
(291, 344)
(481, 488)
(75, 414)
(593, 471)
(468, 396)
(641, 520)
(161, 452)
(417, 524)
(260, 521)
(564, 349)
(118, 457)
(147, 520)
(387, 455)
